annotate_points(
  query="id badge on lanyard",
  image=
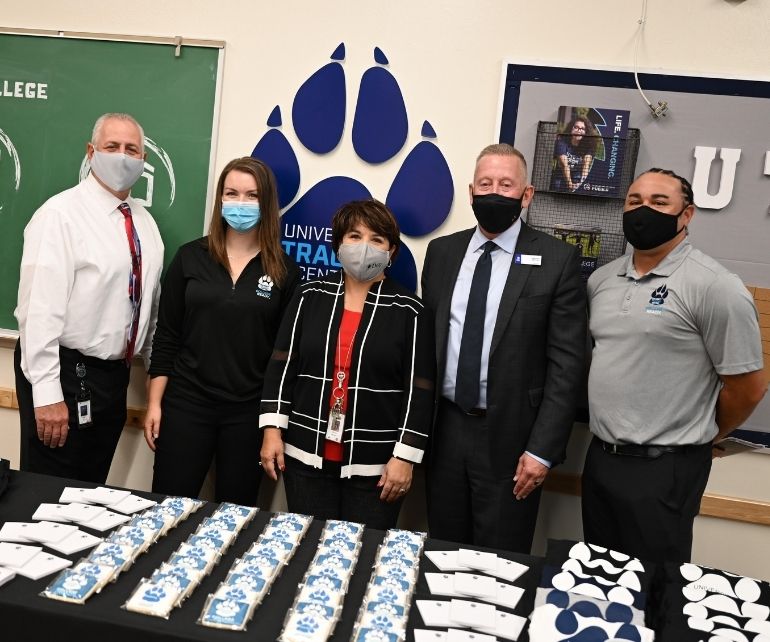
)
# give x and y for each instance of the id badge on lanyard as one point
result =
(83, 398)
(336, 423)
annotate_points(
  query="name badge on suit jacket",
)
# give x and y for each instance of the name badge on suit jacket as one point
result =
(527, 259)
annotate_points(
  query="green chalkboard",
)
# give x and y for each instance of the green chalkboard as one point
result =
(52, 90)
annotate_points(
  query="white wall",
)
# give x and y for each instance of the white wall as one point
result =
(447, 57)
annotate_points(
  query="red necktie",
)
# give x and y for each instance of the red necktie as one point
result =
(135, 280)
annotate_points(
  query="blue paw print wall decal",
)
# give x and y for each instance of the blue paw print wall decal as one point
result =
(420, 193)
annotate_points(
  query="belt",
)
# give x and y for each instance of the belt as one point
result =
(637, 450)
(473, 412)
(95, 362)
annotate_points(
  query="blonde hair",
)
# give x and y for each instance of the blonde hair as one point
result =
(504, 149)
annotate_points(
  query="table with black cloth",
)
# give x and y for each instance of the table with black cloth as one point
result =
(24, 615)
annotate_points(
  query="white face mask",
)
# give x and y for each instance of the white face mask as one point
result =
(362, 261)
(117, 171)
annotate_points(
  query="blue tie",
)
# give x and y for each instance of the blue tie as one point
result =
(469, 362)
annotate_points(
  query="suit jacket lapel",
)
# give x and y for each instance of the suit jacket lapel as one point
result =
(514, 284)
(448, 276)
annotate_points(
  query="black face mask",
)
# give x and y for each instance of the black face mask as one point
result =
(646, 228)
(496, 213)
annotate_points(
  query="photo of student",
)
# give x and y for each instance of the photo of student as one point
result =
(573, 155)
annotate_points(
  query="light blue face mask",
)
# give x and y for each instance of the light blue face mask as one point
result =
(241, 216)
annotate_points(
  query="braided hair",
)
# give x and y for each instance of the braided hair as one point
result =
(686, 187)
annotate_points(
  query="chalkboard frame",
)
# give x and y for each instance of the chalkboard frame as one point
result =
(172, 85)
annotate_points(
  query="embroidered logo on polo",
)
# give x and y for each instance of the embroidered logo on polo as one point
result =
(264, 287)
(659, 295)
(657, 299)
(420, 194)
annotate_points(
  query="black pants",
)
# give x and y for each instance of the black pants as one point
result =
(323, 494)
(467, 501)
(87, 453)
(644, 507)
(193, 433)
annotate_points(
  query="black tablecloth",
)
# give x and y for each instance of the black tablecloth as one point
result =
(24, 615)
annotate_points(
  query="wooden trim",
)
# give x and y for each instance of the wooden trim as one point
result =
(8, 400)
(8, 341)
(733, 508)
(135, 417)
(563, 483)
(85, 35)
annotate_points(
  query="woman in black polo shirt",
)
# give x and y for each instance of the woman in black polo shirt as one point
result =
(348, 397)
(220, 307)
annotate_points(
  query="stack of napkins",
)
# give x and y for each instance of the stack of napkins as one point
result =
(588, 587)
(18, 541)
(121, 501)
(232, 605)
(90, 516)
(26, 559)
(176, 579)
(477, 582)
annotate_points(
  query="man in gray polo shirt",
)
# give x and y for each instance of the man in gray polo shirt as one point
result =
(677, 365)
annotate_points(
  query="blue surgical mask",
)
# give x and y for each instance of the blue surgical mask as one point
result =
(241, 216)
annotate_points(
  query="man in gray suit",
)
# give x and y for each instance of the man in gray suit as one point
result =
(510, 319)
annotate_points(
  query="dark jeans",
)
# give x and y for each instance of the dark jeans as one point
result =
(644, 507)
(193, 433)
(87, 453)
(323, 494)
(467, 502)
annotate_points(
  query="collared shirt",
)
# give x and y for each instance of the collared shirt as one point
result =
(660, 343)
(501, 264)
(73, 285)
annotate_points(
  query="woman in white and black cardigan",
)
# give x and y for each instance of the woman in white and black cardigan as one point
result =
(348, 398)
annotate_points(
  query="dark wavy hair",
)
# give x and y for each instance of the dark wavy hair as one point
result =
(370, 212)
(587, 145)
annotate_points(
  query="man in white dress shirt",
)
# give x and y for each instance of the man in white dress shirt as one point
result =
(88, 294)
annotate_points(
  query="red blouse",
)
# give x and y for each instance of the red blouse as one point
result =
(342, 357)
